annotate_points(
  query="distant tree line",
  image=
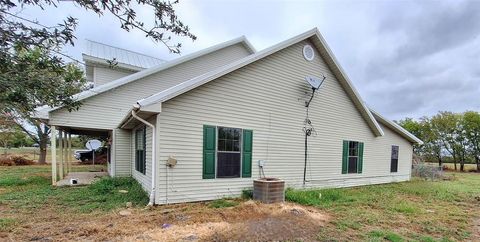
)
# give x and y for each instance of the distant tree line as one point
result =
(447, 136)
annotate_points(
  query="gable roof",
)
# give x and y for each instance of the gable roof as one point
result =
(99, 53)
(42, 113)
(319, 43)
(397, 128)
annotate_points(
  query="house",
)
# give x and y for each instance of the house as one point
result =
(221, 111)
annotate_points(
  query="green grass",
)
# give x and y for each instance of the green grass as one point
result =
(6, 224)
(410, 211)
(26, 190)
(223, 203)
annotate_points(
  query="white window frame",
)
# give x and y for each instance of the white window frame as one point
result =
(356, 156)
(216, 152)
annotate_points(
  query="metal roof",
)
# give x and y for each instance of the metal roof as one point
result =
(107, 52)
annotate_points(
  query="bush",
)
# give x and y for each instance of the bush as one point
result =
(426, 171)
(21, 161)
(247, 194)
(15, 161)
(6, 161)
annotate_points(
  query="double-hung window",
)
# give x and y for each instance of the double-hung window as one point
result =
(352, 161)
(394, 159)
(227, 152)
(140, 150)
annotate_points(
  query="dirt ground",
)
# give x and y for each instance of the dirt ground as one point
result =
(185, 222)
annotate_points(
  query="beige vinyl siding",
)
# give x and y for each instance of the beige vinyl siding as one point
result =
(106, 110)
(268, 97)
(143, 179)
(104, 74)
(122, 143)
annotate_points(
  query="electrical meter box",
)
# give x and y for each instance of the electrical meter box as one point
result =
(171, 162)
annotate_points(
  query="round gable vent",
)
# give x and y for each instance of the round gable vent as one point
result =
(308, 52)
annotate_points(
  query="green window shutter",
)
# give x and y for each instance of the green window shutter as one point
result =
(144, 158)
(360, 157)
(209, 151)
(247, 153)
(345, 157)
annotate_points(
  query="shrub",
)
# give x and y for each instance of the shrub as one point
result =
(427, 171)
(6, 161)
(247, 194)
(21, 161)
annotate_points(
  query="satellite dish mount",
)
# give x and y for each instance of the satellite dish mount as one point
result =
(315, 83)
(93, 145)
(308, 128)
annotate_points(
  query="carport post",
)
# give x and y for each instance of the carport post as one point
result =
(60, 148)
(69, 152)
(53, 146)
(65, 145)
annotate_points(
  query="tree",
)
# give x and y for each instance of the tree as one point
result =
(432, 146)
(6, 133)
(444, 127)
(471, 124)
(415, 128)
(46, 82)
(34, 72)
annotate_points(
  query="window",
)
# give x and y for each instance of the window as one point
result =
(228, 152)
(140, 158)
(352, 157)
(394, 159)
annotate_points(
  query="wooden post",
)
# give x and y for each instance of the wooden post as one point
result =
(60, 148)
(70, 152)
(65, 147)
(53, 146)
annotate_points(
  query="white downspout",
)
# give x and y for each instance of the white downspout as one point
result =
(154, 161)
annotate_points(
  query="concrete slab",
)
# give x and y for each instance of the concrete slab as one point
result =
(83, 178)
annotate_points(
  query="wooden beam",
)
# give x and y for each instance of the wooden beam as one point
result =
(66, 153)
(53, 146)
(70, 155)
(60, 153)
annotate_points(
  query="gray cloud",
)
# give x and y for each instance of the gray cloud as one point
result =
(432, 64)
(406, 58)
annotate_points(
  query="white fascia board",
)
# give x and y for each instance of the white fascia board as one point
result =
(378, 130)
(249, 45)
(399, 129)
(209, 76)
(126, 119)
(101, 61)
(146, 72)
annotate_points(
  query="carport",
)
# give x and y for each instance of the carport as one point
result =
(62, 154)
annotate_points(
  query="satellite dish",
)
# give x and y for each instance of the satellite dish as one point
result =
(93, 144)
(315, 82)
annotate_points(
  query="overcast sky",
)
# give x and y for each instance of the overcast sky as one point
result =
(407, 59)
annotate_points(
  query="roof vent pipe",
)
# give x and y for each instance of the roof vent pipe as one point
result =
(154, 161)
